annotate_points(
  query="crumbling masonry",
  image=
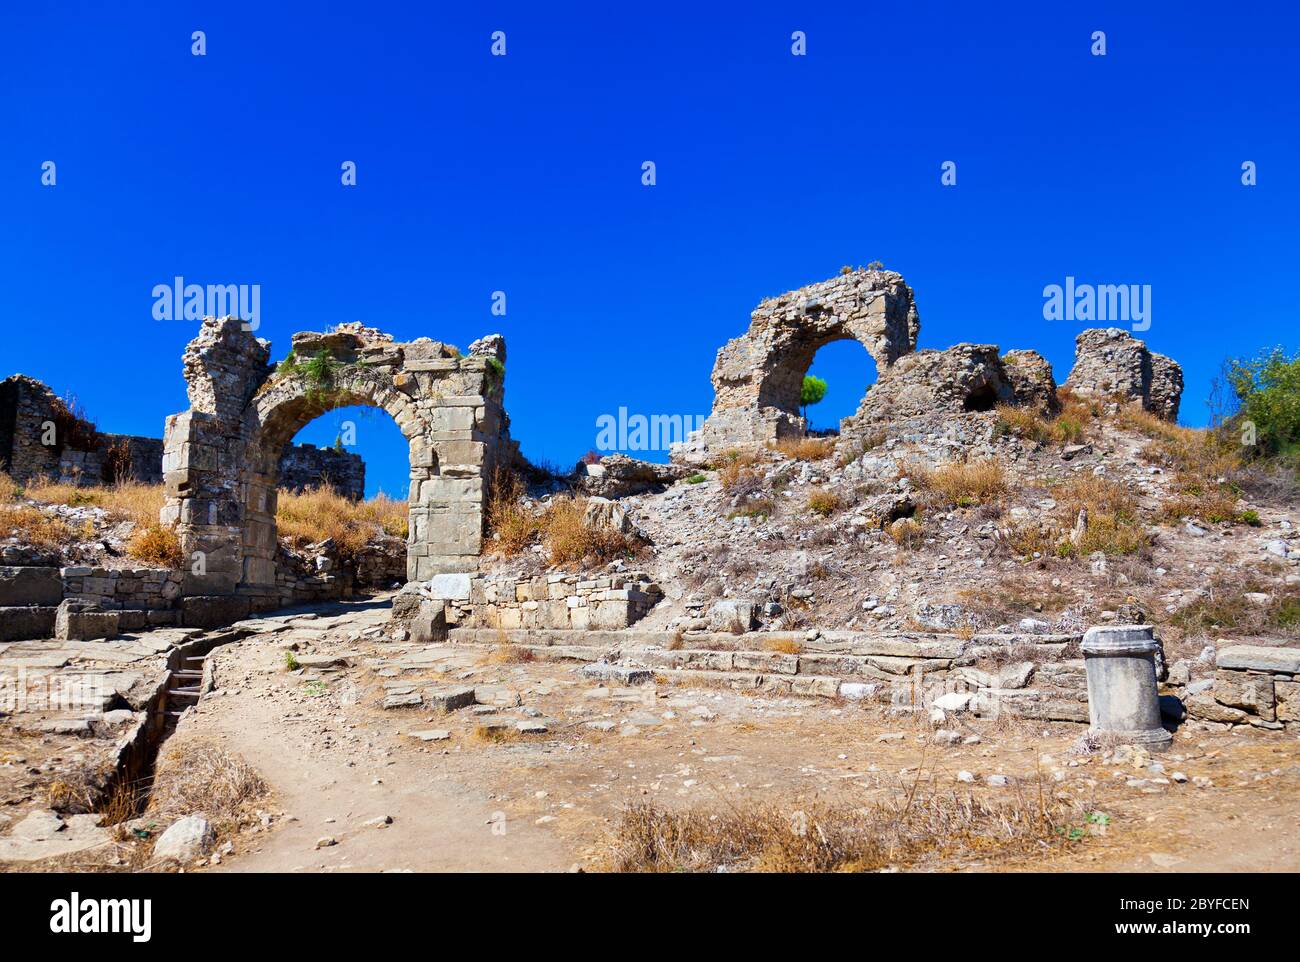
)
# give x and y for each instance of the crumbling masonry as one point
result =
(757, 377)
(222, 456)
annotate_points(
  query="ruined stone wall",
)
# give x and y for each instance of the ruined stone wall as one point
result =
(306, 466)
(555, 601)
(757, 376)
(1112, 363)
(82, 455)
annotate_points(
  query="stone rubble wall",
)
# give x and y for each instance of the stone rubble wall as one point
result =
(1255, 685)
(1112, 363)
(576, 602)
(304, 466)
(26, 405)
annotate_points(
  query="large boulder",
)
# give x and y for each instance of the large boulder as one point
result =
(185, 840)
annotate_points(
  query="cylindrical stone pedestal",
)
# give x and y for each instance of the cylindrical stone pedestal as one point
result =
(1123, 700)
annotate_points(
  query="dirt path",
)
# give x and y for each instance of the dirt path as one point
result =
(438, 824)
(336, 760)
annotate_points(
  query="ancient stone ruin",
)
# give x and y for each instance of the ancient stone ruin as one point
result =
(757, 376)
(222, 457)
(41, 438)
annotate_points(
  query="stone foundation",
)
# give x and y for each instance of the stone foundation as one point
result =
(571, 602)
(1254, 685)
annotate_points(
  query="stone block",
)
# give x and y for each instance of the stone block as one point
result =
(1260, 658)
(213, 611)
(1287, 695)
(21, 623)
(450, 587)
(78, 621)
(30, 586)
(1249, 691)
(449, 698)
(429, 624)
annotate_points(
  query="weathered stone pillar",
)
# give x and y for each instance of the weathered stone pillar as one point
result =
(1123, 700)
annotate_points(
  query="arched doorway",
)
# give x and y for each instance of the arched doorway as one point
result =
(221, 457)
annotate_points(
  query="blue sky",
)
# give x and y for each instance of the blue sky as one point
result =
(523, 174)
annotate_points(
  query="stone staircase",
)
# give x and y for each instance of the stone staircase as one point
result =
(1024, 675)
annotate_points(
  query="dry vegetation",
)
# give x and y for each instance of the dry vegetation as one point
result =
(560, 525)
(823, 502)
(805, 449)
(156, 544)
(1072, 423)
(964, 484)
(319, 514)
(925, 828)
(194, 776)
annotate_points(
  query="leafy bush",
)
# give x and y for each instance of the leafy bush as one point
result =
(1267, 388)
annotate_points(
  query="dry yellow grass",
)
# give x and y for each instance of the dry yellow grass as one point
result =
(805, 449)
(787, 646)
(561, 526)
(921, 827)
(127, 501)
(197, 776)
(739, 475)
(1114, 527)
(1195, 454)
(156, 544)
(514, 524)
(8, 489)
(906, 533)
(30, 526)
(312, 516)
(962, 483)
(824, 502)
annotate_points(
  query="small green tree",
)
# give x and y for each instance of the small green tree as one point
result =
(1267, 388)
(813, 390)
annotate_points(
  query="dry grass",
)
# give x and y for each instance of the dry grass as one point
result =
(823, 502)
(32, 527)
(1224, 608)
(739, 477)
(126, 501)
(1113, 524)
(156, 544)
(907, 533)
(569, 537)
(494, 735)
(504, 653)
(321, 513)
(8, 489)
(962, 483)
(195, 776)
(561, 526)
(1193, 452)
(786, 646)
(805, 449)
(514, 524)
(924, 827)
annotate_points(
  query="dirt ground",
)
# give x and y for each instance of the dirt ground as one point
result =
(355, 786)
(336, 760)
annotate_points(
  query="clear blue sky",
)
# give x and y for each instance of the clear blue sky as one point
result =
(523, 174)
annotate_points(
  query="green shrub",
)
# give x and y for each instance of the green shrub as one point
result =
(1267, 388)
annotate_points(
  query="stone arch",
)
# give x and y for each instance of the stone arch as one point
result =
(757, 376)
(221, 458)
